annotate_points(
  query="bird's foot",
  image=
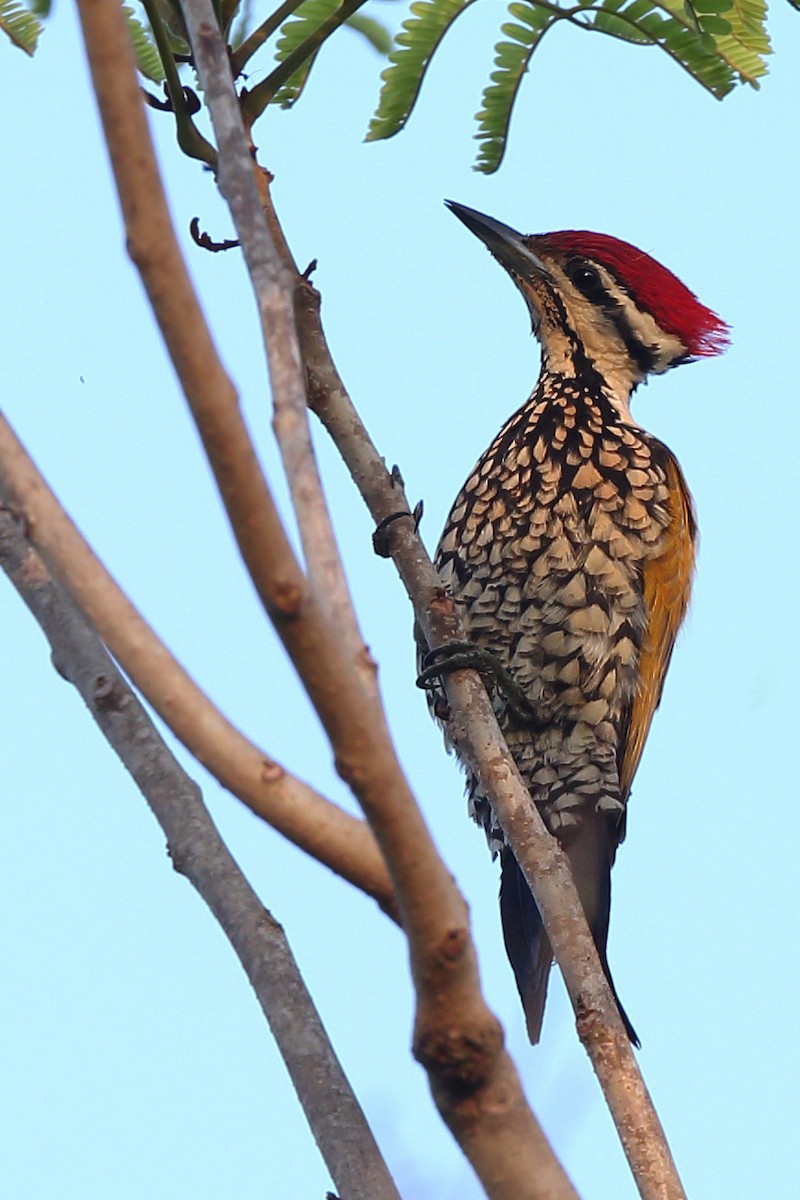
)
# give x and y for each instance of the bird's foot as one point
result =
(465, 655)
(381, 533)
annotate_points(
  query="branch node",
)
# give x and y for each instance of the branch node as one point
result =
(271, 771)
(454, 944)
(442, 604)
(459, 1056)
(305, 292)
(367, 661)
(287, 599)
(104, 692)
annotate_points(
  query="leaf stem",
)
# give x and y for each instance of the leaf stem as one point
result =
(190, 140)
(572, 14)
(256, 39)
(254, 102)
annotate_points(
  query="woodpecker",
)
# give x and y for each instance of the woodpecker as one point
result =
(569, 553)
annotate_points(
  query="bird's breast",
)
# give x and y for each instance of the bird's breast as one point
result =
(544, 551)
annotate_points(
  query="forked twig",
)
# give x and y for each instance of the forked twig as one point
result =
(291, 806)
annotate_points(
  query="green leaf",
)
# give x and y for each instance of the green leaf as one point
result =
(512, 58)
(712, 6)
(416, 43)
(148, 60)
(718, 42)
(20, 25)
(740, 55)
(376, 34)
(717, 51)
(305, 21)
(714, 25)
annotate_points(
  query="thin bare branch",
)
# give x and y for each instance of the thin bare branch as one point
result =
(342, 842)
(480, 743)
(255, 101)
(261, 34)
(273, 287)
(293, 606)
(457, 1038)
(198, 852)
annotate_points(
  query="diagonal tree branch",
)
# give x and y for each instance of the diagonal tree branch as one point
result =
(342, 842)
(272, 285)
(477, 737)
(198, 852)
(462, 1039)
(481, 744)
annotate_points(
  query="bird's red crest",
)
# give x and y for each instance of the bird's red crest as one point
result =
(676, 309)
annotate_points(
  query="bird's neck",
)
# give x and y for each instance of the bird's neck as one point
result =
(608, 383)
(598, 364)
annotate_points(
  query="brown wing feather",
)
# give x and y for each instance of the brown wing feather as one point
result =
(667, 583)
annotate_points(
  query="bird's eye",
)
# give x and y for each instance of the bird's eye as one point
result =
(586, 278)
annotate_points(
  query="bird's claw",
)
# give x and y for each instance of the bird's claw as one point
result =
(380, 535)
(464, 655)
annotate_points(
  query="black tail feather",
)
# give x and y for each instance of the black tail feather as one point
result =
(526, 942)
(527, 945)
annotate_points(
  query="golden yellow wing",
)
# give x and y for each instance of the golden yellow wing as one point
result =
(667, 583)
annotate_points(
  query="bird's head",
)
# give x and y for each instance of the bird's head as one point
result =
(600, 305)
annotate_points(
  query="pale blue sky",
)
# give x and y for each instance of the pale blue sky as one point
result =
(135, 1061)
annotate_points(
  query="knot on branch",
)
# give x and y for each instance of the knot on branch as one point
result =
(106, 693)
(287, 599)
(453, 944)
(307, 297)
(442, 604)
(458, 1054)
(597, 1036)
(271, 771)
(455, 1040)
(366, 661)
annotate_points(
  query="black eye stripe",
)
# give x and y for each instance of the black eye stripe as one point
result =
(586, 278)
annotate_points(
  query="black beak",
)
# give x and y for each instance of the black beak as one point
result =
(507, 246)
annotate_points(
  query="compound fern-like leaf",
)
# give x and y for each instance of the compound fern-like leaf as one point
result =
(20, 25)
(301, 26)
(415, 45)
(719, 42)
(512, 58)
(148, 60)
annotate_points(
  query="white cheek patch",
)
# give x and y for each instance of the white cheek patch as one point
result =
(666, 347)
(602, 331)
